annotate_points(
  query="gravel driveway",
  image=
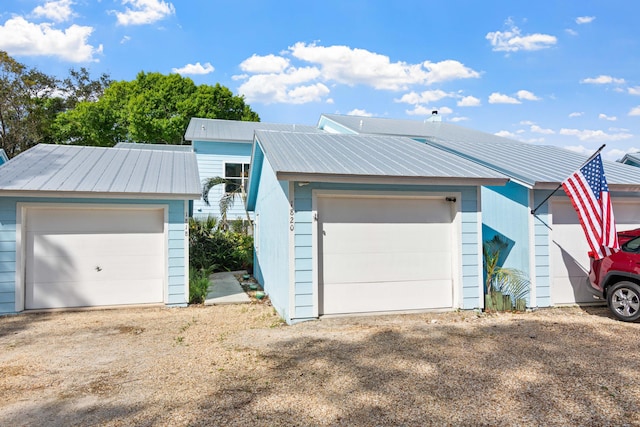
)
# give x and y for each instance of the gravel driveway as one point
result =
(238, 365)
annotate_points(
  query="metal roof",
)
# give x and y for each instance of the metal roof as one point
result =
(367, 156)
(92, 171)
(529, 163)
(233, 130)
(161, 147)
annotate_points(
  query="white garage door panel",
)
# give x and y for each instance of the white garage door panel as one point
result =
(99, 293)
(386, 296)
(569, 249)
(93, 257)
(384, 254)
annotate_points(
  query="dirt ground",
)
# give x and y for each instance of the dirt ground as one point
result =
(240, 366)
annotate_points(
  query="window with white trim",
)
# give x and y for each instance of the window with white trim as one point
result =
(236, 175)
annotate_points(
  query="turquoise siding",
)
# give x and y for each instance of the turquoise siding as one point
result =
(176, 261)
(505, 212)
(541, 232)
(271, 260)
(211, 158)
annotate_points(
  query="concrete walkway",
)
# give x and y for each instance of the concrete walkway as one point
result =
(225, 289)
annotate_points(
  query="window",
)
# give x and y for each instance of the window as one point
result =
(236, 175)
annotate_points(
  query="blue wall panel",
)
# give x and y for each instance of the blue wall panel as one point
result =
(211, 157)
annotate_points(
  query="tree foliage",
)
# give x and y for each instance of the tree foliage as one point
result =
(30, 101)
(153, 108)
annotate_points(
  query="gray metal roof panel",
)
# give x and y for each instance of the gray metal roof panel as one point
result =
(369, 155)
(233, 130)
(529, 163)
(160, 147)
(98, 170)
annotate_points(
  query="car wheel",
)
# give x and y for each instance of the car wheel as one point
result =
(623, 299)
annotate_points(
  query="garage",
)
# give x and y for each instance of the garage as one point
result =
(93, 256)
(385, 253)
(569, 248)
(95, 227)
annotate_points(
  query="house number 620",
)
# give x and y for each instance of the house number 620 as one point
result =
(291, 219)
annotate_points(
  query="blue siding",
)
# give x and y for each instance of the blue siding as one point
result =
(177, 264)
(541, 231)
(505, 212)
(211, 157)
(271, 260)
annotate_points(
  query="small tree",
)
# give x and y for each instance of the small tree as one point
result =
(228, 199)
(499, 280)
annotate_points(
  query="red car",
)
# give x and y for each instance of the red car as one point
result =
(616, 278)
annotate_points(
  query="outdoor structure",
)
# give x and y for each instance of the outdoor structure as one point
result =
(632, 159)
(91, 226)
(319, 198)
(223, 149)
(549, 246)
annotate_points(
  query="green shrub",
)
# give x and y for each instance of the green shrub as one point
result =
(198, 285)
(218, 250)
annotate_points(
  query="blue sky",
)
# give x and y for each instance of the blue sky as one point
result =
(558, 72)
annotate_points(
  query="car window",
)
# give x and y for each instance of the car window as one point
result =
(632, 245)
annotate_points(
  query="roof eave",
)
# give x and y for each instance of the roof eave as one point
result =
(99, 195)
(385, 179)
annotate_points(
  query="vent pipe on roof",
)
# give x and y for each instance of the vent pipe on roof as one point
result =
(361, 123)
(434, 117)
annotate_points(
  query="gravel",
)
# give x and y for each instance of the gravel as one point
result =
(240, 366)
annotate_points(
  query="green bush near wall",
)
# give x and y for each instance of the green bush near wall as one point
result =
(218, 250)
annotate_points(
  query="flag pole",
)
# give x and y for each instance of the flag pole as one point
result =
(533, 211)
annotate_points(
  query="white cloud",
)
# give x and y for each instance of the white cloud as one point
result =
(602, 116)
(584, 19)
(288, 87)
(194, 69)
(616, 154)
(458, 119)
(512, 40)
(275, 78)
(506, 134)
(424, 97)
(20, 37)
(595, 135)
(125, 39)
(576, 114)
(469, 101)
(635, 111)
(527, 123)
(602, 80)
(538, 129)
(421, 110)
(499, 98)
(359, 112)
(634, 90)
(330, 101)
(144, 12)
(448, 70)
(58, 11)
(264, 64)
(571, 32)
(354, 66)
(526, 95)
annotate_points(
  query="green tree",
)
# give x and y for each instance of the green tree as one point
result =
(227, 200)
(153, 108)
(26, 105)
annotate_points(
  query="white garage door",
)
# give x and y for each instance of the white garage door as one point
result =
(385, 254)
(569, 249)
(77, 257)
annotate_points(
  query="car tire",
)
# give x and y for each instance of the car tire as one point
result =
(623, 299)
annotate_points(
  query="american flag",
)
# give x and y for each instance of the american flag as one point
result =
(587, 188)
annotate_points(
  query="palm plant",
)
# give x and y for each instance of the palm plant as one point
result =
(228, 198)
(501, 280)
